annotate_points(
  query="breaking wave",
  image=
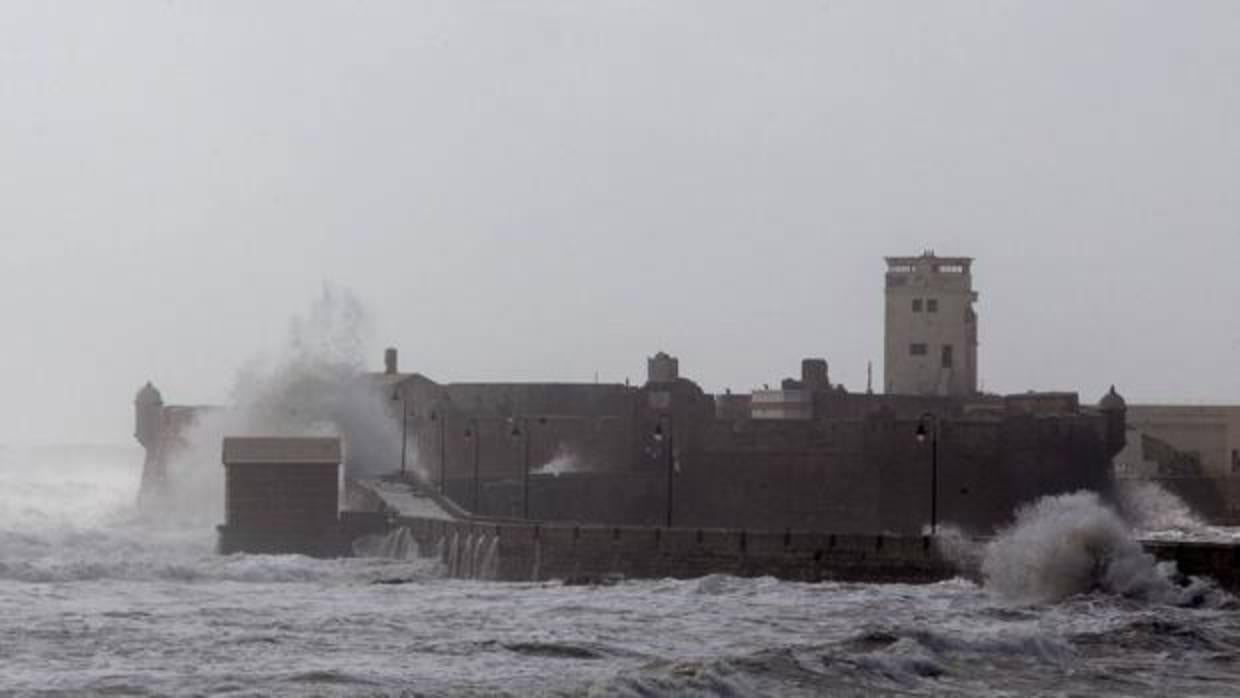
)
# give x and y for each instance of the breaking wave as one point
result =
(1072, 544)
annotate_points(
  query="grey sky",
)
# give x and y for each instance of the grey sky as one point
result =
(542, 190)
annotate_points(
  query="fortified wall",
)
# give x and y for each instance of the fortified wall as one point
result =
(667, 451)
(661, 454)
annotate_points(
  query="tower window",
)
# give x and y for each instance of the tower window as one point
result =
(917, 349)
(947, 356)
(932, 305)
(916, 305)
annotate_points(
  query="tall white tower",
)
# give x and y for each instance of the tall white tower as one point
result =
(931, 333)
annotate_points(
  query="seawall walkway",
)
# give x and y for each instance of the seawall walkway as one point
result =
(533, 551)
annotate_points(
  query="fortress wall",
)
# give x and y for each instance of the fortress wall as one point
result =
(835, 489)
(986, 468)
(870, 476)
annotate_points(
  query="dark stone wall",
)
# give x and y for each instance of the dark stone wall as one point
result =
(586, 554)
(857, 467)
(867, 475)
(591, 554)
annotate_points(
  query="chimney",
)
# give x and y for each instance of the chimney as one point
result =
(389, 361)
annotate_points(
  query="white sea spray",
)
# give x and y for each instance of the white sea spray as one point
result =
(315, 387)
(1071, 544)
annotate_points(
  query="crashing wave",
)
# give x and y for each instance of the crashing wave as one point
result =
(1072, 544)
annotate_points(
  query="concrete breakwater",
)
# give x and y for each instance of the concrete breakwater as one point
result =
(511, 551)
(520, 551)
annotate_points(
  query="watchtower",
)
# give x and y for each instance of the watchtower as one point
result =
(931, 326)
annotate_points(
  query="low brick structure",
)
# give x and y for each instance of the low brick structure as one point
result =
(281, 496)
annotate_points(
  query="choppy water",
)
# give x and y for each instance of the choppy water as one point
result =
(94, 600)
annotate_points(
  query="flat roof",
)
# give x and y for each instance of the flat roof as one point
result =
(259, 450)
(912, 261)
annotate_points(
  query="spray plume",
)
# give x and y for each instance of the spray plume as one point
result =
(1073, 544)
(316, 388)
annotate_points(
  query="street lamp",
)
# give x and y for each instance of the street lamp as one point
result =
(443, 467)
(670, 449)
(471, 432)
(933, 433)
(520, 427)
(404, 429)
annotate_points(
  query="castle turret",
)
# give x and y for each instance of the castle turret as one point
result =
(1115, 409)
(148, 407)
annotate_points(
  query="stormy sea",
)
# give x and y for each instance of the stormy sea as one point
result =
(98, 600)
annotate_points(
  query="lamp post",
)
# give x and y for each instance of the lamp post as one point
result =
(521, 427)
(471, 432)
(404, 429)
(933, 433)
(442, 419)
(670, 450)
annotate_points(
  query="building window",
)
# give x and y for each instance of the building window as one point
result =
(917, 349)
(947, 356)
(916, 305)
(1235, 461)
(932, 305)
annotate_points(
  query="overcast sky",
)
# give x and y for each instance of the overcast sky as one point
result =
(543, 190)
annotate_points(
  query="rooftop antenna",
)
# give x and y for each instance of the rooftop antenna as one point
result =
(869, 378)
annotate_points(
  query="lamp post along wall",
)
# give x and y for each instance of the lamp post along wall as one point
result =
(934, 464)
(525, 475)
(471, 432)
(404, 436)
(521, 429)
(397, 396)
(670, 453)
(442, 420)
